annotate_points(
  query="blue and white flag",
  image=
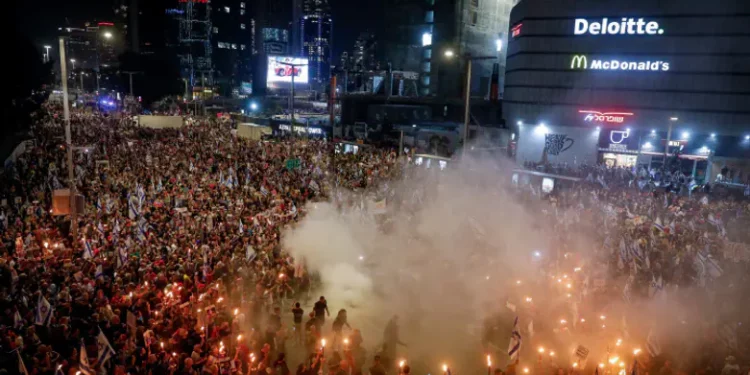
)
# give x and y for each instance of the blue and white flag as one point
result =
(83, 362)
(141, 196)
(98, 204)
(159, 187)
(221, 177)
(104, 348)
(132, 207)
(88, 250)
(514, 347)
(122, 257)
(43, 313)
(116, 229)
(263, 190)
(99, 271)
(242, 228)
(142, 229)
(191, 167)
(100, 228)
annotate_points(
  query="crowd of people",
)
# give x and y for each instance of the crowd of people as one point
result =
(617, 241)
(175, 266)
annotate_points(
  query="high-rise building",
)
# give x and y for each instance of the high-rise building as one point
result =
(232, 32)
(93, 50)
(316, 39)
(419, 32)
(365, 51)
(276, 41)
(195, 50)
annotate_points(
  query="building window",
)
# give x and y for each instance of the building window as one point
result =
(242, 12)
(242, 26)
(221, 45)
(234, 46)
(226, 9)
(426, 66)
(216, 30)
(242, 5)
(474, 18)
(429, 16)
(242, 47)
(428, 53)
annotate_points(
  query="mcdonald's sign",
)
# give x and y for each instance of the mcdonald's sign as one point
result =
(579, 62)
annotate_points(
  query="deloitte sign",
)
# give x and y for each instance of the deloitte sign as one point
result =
(625, 26)
(582, 62)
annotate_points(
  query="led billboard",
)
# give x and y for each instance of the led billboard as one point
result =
(279, 71)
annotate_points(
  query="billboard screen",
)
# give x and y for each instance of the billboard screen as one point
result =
(278, 72)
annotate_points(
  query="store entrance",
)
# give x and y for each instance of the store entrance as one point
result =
(619, 160)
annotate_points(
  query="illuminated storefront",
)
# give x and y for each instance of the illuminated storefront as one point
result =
(602, 82)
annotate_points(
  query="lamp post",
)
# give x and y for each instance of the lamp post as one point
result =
(73, 64)
(291, 102)
(46, 54)
(68, 141)
(468, 59)
(672, 120)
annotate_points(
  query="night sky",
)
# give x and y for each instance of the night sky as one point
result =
(39, 19)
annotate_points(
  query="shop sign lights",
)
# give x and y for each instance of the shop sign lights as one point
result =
(605, 117)
(582, 62)
(624, 26)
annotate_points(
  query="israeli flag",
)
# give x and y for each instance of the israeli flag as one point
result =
(263, 190)
(191, 167)
(88, 251)
(221, 177)
(43, 313)
(100, 228)
(141, 197)
(142, 229)
(104, 348)
(132, 207)
(117, 226)
(250, 253)
(99, 272)
(98, 204)
(83, 362)
(160, 187)
(514, 348)
(122, 257)
(242, 228)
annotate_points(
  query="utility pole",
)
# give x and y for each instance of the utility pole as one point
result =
(69, 143)
(291, 101)
(131, 81)
(669, 137)
(467, 102)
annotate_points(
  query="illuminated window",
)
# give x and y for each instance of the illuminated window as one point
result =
(216, 30)
(242, 12)
(242, 26)
(226, 9)
(242, 47)
(242, 5)
(234, 46)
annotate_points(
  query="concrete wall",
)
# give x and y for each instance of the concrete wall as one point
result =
(576, 145)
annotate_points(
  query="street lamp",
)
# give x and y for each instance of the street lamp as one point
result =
(468, 58)
(291, 102)
(73, 61)
(46, 55)
(108, 35)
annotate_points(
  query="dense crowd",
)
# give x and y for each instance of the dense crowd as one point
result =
(177, 267)
(617, 242)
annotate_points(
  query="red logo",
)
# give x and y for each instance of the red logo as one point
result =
(608, 117)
